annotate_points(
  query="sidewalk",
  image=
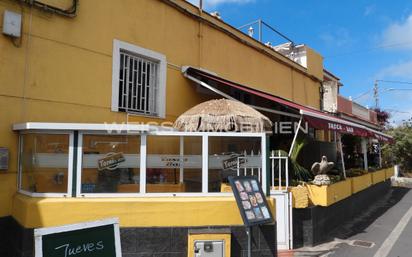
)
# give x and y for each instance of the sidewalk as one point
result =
(365, 235)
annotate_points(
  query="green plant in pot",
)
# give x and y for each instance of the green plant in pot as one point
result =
(297, 173)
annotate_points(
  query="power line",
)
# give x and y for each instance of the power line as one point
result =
(394, 81)
(363, 94)
(396, 111)
(376, 88)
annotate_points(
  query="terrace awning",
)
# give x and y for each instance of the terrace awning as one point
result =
(315, 118)
(329, 122)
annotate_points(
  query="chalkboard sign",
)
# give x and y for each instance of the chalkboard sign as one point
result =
(251, 200)
(91, 239)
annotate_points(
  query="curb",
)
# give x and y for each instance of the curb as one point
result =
(401, 182)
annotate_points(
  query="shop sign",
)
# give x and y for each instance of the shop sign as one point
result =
(173, 161)
(382, 138)
(335, 126)
(111, 161)
(251, 200)
(91, 239)
(232, 162)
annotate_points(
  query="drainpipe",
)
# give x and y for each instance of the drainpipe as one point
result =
(201, 6)
(71, 12)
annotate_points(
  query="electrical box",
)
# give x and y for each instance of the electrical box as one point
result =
(12, 24)
(209, 248)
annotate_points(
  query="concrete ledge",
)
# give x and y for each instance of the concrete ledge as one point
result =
(34, 212)
(401, 182)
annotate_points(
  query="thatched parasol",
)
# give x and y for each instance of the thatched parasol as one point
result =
(223, 115)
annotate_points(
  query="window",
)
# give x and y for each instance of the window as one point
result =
(110, 164)
(139, 80)
(174, 164)
(44, 164)
(231, 156)
(96, 163)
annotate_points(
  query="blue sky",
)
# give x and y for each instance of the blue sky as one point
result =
(360, 40)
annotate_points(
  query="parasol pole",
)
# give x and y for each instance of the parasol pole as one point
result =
(295, 136)
(341, 155)
(181, 163)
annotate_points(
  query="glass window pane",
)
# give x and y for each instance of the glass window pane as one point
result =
(231, 156)
(110, 164)
(44, 163)
(171, 168)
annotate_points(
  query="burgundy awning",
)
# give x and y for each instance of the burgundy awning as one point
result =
(329, 122)
(334, 124)
(315, 118)
(381, 136)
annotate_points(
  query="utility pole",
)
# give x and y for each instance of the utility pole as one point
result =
(376, 94)
(376, 89)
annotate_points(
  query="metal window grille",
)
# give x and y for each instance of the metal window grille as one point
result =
(138, 84)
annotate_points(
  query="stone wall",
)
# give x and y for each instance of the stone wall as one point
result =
(317, 224)
(17, 241)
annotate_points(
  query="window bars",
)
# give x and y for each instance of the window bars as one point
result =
(138, 84)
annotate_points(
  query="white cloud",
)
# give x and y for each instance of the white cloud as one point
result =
(397, 117)
(339, 37)
(400, 70)
(399, 34)
(214, 3)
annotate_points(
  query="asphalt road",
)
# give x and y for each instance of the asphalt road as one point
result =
(385, 229)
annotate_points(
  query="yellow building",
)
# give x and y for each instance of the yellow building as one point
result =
(121, 62)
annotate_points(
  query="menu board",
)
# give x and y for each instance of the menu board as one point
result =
(251, 200)
(99, 238)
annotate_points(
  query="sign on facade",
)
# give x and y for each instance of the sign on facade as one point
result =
(233, 162)
(111, 161)
(251, 200)
(174, 161)
(91, 239)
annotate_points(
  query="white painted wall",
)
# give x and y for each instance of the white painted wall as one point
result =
(360, 111)
(330, 96)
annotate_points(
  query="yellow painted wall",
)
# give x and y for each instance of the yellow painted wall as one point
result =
(378, 176)
(132, 212)
(62, 70)
(361, 182)
(389, 172)
(7, 190)
(315, 63)
(328, 195)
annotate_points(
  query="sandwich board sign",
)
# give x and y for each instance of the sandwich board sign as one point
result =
(99, 238)
(251, 200)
